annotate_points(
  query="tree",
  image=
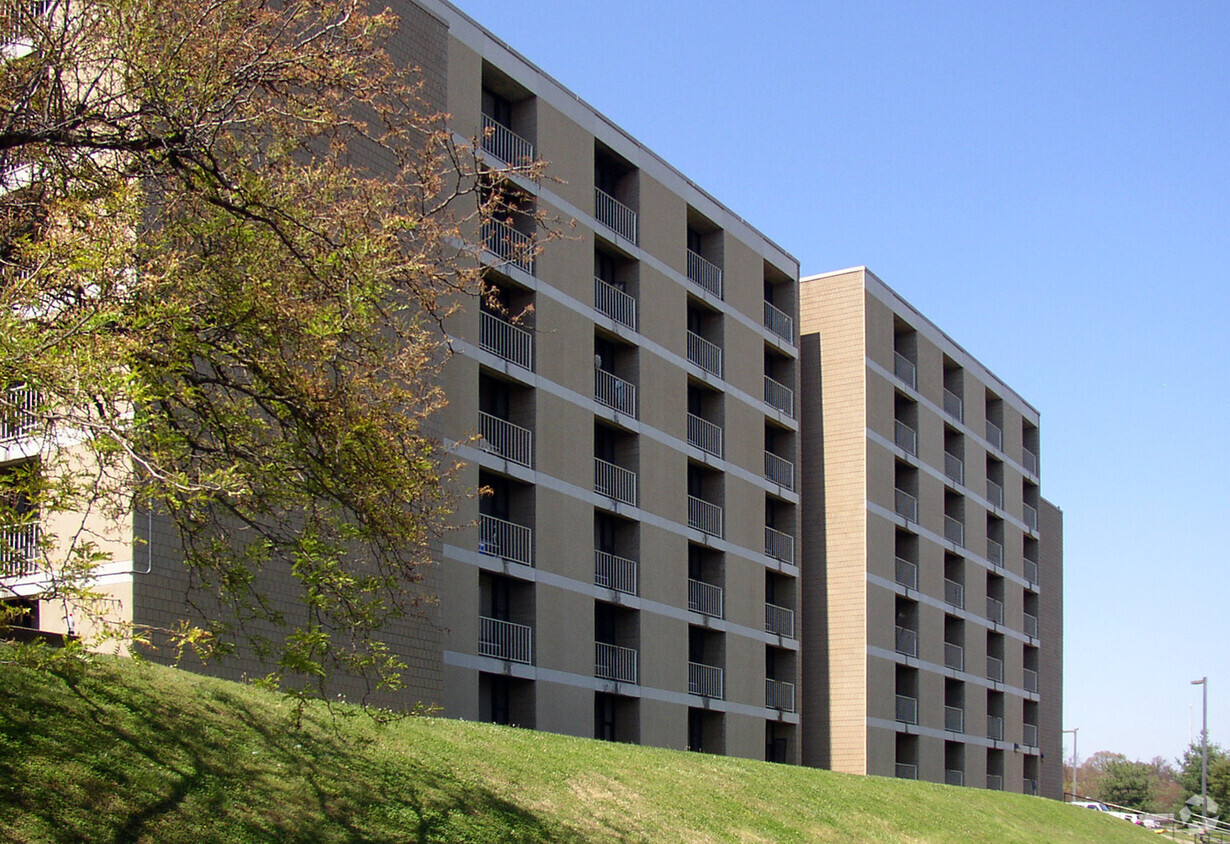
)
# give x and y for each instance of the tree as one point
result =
(1218, 773)
(1126, 783)
(230, 235)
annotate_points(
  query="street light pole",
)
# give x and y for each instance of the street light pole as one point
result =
(1073, 731)
(1203, 682)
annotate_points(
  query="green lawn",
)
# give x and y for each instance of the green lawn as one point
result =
(129, 752)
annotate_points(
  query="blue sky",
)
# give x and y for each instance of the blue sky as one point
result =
(1047, 181)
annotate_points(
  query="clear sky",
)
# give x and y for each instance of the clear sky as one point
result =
(1050, 183)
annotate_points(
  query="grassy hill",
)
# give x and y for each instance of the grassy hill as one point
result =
(128, 752)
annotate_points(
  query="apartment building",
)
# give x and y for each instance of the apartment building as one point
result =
(932, 566)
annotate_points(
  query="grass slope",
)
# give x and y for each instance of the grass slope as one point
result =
(128, 752)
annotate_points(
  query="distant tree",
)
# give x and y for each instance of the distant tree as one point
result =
(1167, 793)
(1218, 776)
(1126, 783)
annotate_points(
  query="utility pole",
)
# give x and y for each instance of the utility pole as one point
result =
(1073, 731)
(1203, 682)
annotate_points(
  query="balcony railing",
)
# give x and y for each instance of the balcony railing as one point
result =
(954, 719)
(995, 552)
(953, 405)
(907, 573)
(1029, 735)
(995, 782)
(505, 640)
(1031, 626)
(905, 369)
(907, 709)
(510, 441)
(779, 694)
(954, 593)
(505, 340)
(615, 392)
(1030, 460)
(905, 771)
(995, 435)
(704, 516)
(505, 144)
(706, 355)
(995, 669)
(613, 572)
(778, 321)
(17, 412)
(612, 662)
(954, 468)
(19, 547)
(778, 545)
(614, 481)
(708, 275)
(1031, 571)
(954, 531)
(906, 438)
(954, 656)
(704, 435)
(995, 728)
(907, 641)
(1031, 517)
(995, 494)
(779, 620)
(509, 245)
(778, 396)
(906, 505)
(954, 777)
(610, 301)
(506, 540)
(706, 598)
(613, 214)
(779, 470)
(1031, 680)
(705, 680)
(995, 610)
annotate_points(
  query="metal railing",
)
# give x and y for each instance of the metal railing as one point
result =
(906, 771)
(995, 610)
(1030, 678)
(614, 481)
(954, 656)
(995, 494)
(953, 405)
(505, 144)
(995, 782)
(706, 355)
(779, 694)
(1031, 517)
(704, 435)
(704, 516)
(954, 531)
(906, 506)
(508, 440)
(505, 340)
(1029, 735)
(612, 662)
(954, 468)
(509, 245)
(954, 719)
(614, 572)
(779, 620)
(954, 777)
(906, 438)
(705, 680)
(706, 598)
(779, 470)
(995, 669)
(1031, 571)
(705, 273)
(907, 573)
(995, 552)
(778, 545)
(778, 321)
(995, 728)
(505, 640)
(905, 369)
(610, 301)
(907, 641)
(1031, 626)
(19, 549)
(778, 396)
(954, 593)
(615, 392)
(995, 435)
(17, 412)
(613, 214)
(506, 540)
(1030, 460)
(907, 709)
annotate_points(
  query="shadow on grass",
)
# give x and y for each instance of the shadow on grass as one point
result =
(117, 753)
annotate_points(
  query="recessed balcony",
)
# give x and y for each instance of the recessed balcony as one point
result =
(704, 516)
(17, 412)
(778, 545)
(509, 245)
(995, 610)
(905, 370)
(705, 680)
(1030, 678)
(505, 640)
(779, 621)
(954, 531)
(995, 494)
(779, 695)
(1029, 735)
(954, 656)
(614, 482)
(1030, 461)
(954, 593)
(953, 405)
(906, 505)
(1031, 572)
(907, 573)
(506, 540)
(995, 435)
(505, 340)
(19, 549)
(615, 572)
(954, 719)
(706, 598)
(705, 273)
(907, 641)
(907, 709)
(613, 662)
(905, 770)
(995, 669)
(995, 732)
(613, 214)
(507, 440)
(778, 321)
(614, 392)
(1031, 517)
(706, 355)
(610, 301)
(995, 552)
(505, 144)
(779, 470)
(954, 468)
(778, 396)
(906, 438)
(705, 435)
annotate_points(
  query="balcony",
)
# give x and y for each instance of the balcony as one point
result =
(1031, 626)
(1029, 735)
(779, 695)
(906, 506)
(954, 468)
(778, 396)
(614, 482)
(954, 719)
(779, 322)
(19, 549)
(613, 572)
(995, 552)
(704, 516)
(906, 438)
(706, 598)
(907, 709)
(954, 593)
(705, 274)
(907, 573)
(995, 728)
(905, 369)
(17, 412)
(995, 782)
(610, 301)
(995, 669)
(509, 245)
(1031, 517)
(779, 545)
(1031, 571)
(705, 680)
(995, 610)
(1030, 461)
(954, 777)
(779, 470)
(505, 640)
(1030, 678)
(706, 355)
(953, 405)
(505, 340)
(505, 144)
(779, 621)
(995, 494)
(954, 531)
(907, 641)
(615, 392)
(503, 438)
(995, 435)
(613, 214)
(506, 540)
(905, 771)
(954, 656)
(705, 435)
(612, 662)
